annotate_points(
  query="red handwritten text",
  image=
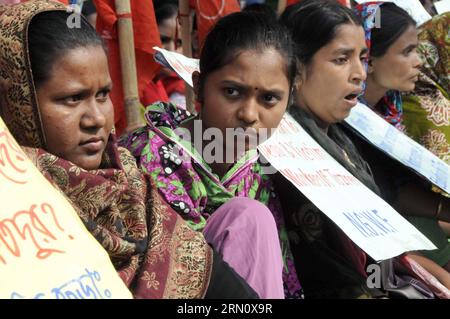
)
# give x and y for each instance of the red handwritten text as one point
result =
(36, 228)
(303, 179)
(295, 150)
(12, 160)
(287, 126)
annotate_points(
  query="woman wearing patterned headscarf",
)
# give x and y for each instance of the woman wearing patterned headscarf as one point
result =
(394, 67)
(427, 108)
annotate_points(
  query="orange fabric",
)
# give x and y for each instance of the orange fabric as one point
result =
(17, 1)
(209, 11)
(173, 84)
(291, 2)
(154, 92)
(146, 36)
(343, 2)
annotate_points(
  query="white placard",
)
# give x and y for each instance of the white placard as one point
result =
(346, 205)
(413, 7)
(366, 219)
(180, 64)
(442, 6)
(399, 146)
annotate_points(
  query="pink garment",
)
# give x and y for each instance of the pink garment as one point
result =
(243, 231)
(432, 282)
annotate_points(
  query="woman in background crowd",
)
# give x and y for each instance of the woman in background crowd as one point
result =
(167, 86)
(394, 67)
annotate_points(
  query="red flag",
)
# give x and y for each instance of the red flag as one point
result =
(146, 36)
(209, 11)
(21, 1)
(343, 2)
(291, 2)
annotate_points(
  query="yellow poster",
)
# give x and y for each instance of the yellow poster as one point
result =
(45, 250)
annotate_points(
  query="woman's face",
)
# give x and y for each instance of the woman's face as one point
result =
(250, 92)
(169, 31)
(330, 83)
(75, 107)
(170, 34)
(398, 68)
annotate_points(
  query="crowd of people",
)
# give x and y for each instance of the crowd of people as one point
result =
(157, 204)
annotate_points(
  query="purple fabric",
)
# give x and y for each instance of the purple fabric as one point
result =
(192, 190)
(244, 232)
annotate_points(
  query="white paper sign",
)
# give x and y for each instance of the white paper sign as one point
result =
(442, 6)
(179, 63)
(413, 7)
(399, 146)
(370, 222)
(366, 219)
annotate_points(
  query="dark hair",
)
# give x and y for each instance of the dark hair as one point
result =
(313, 24)
(49, 38)
(88, 8)
(261, 8)
(164, 10)
(393, 23)
(241, 31)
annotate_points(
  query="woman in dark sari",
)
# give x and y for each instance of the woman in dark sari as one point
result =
(332, 53)
(393, 68)
(328, 263)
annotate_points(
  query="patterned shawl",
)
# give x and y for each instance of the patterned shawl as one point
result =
(154, 251)
(427, 108)
(390, 106)
(187, 183)
(434, 47)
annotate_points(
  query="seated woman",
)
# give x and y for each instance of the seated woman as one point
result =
(54, 89)
(393, 67)
(331, 74)
(332, 61)
(246, 75)
(426, 110)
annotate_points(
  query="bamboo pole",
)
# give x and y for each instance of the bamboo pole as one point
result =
(281, 6)
(187, 47)
(128, 64)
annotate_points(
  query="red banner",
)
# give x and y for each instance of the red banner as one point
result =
(343, 2)
(20, 1)
(209, 11)
(146, 36)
